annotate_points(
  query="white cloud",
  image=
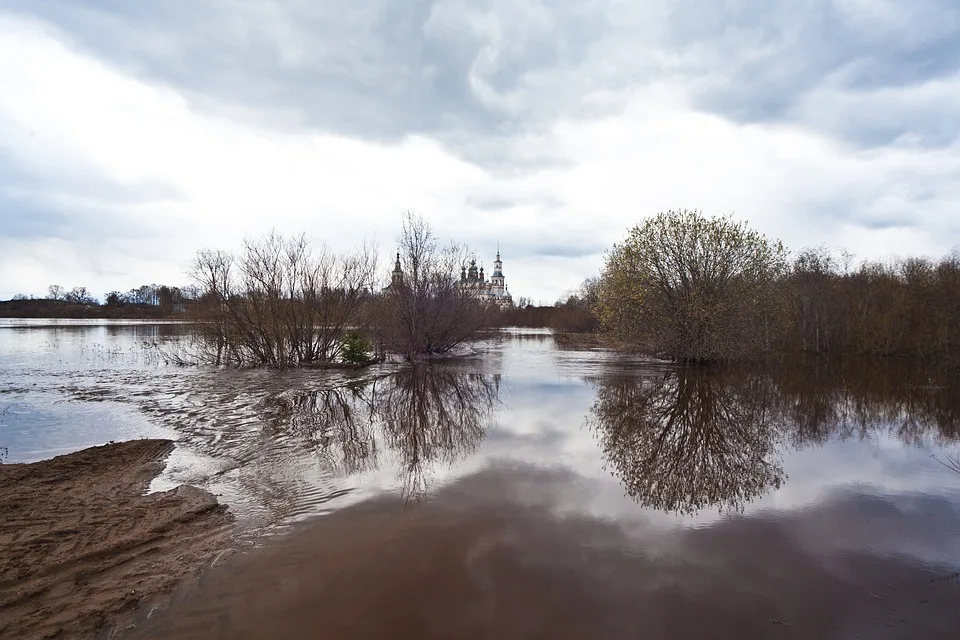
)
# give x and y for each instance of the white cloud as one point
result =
(141, 173)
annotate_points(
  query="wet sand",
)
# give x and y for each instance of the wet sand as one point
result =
(82, 549)
(492, 557)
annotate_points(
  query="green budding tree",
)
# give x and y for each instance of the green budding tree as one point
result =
(692, 287)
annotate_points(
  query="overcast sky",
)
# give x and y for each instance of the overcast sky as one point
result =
(134, 133)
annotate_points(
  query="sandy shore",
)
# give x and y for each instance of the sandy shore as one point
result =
(82, 549)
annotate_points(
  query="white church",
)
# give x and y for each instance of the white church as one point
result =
(494, 290)
(474, 282)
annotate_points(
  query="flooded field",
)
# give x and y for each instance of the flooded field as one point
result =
(527, 490)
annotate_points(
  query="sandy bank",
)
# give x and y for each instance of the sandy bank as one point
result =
(81, 547)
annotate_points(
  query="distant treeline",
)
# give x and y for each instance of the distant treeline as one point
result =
(572, 314)
(908, 306)
(146, 302)
(43, 308)
(550, 317)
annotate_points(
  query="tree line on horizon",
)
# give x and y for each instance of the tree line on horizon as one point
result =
(149, 300)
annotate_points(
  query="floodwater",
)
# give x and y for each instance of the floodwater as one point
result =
(527, 491)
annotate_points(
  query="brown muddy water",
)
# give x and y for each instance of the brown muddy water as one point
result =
(526, 491)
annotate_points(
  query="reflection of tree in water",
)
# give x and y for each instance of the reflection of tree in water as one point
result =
(827, 398)
(434, 415)
(338, 423)
(687, 439)
(424, 415)
(692, 438)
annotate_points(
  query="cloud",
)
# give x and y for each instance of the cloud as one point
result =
(549, 127)
(488, 556)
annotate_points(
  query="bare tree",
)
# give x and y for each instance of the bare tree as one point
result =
(79, 295)
(424, 311)
(811, 284)
(278, 303)
(56, 292)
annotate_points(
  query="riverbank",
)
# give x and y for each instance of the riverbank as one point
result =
(82, 548)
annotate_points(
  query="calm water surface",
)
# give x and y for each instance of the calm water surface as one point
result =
(535, 491)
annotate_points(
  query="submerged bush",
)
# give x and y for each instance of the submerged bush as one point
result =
(425, 311)
(278, 303)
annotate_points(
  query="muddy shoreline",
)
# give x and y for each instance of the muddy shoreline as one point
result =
(83, 550)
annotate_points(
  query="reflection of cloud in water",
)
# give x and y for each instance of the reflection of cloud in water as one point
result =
(488, 556)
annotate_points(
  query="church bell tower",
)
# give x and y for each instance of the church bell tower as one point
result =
(497, 279)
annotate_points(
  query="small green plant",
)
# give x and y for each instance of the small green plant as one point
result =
(357, 349)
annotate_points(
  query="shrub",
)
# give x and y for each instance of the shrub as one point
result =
(357, 349)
